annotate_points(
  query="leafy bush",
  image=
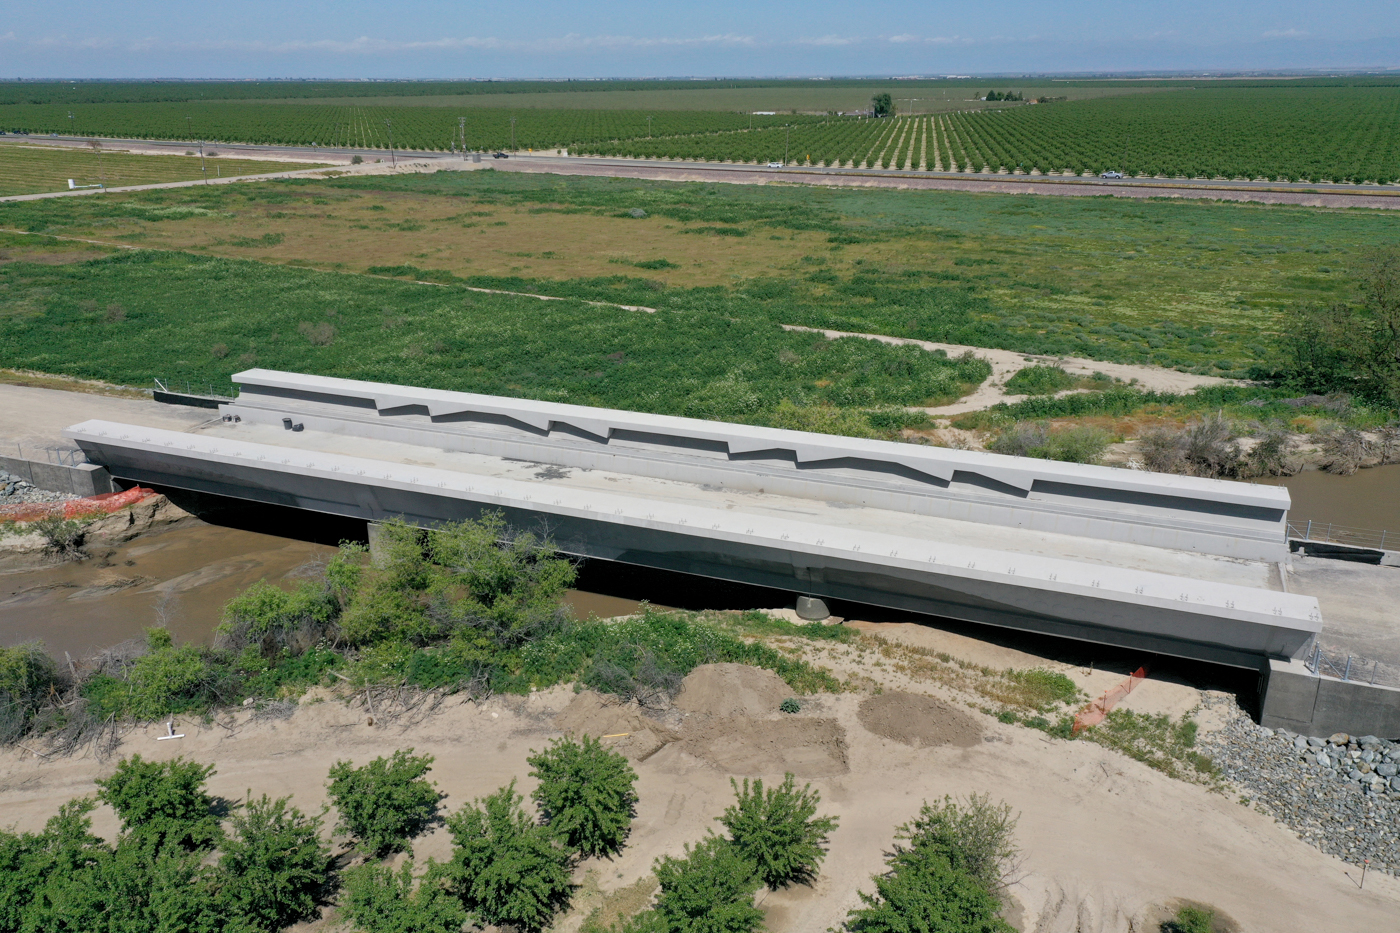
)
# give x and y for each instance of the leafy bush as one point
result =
(272, 619)
(1190, 920)
(710, 890)
(163, 801)
(1079, 444)
(778, 831)
(63, 538)
(1205, 447)
(387, 802)
(1039, 380)
(28, 680)
(586, 794)
(974, 837)
(923, 893)
(274, 866)
(790, 705)
(379, 900)
(506, 869)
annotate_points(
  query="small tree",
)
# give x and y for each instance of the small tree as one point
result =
(882, 105)
(274, 866)
(586, 794)
(163, 802)
(975, 837)
(778, 830)
(923, 893)
(387, 802)
(710, 890)
(378, 900)
(508, 869)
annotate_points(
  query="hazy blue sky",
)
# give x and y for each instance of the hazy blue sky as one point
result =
(546, 38)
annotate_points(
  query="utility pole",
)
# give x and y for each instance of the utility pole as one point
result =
(189, 131)
(202, 166)
(787, 143)
(393, 160)
(648, 126)
(1125, 156)
(70, 123)
(512, 134)
(462, 129)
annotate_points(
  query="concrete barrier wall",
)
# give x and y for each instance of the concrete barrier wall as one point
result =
(1310, 704)
(84, 479)
(1176, 512)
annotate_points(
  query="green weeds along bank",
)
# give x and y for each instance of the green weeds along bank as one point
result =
(198, 318)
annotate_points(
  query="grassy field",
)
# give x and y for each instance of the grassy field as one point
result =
(29, 169)
(1203, 286)
(131, 316)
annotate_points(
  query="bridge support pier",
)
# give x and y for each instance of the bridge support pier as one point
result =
(812, 609)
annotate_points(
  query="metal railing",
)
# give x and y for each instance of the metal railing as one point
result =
(1330, 533)
(190, 390)
(63, 456)
(1353, 668)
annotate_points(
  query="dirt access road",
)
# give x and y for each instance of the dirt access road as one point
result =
(1370, 196)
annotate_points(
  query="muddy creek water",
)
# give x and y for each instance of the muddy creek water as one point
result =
(1368, 499)
(183, 576)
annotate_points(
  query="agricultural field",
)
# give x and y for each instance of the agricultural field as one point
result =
(1205, 287)
(426, 128)
(1289, 134)
(1311, 131)
(26, 169)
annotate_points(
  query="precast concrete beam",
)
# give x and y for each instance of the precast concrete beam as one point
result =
(1190, 514)
(1218, 622)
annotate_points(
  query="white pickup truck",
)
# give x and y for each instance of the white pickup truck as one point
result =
(1110, 174)
(775, 165)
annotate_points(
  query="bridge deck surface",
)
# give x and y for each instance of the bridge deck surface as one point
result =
(1259, 574)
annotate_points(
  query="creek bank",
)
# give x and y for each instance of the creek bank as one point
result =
(1339, 793)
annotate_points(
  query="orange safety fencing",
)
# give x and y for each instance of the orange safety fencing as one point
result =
(1097, 711)
(104, 503)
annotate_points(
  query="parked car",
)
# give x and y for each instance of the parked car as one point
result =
(500, 155)
(1110, 174)
(775, 165)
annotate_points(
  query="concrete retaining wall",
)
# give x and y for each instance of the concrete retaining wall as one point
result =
(84, 479)
(1310, 704)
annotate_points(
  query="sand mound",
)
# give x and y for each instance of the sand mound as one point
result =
(728, 690)
(911, 719)
(621, 726)
(809, 748)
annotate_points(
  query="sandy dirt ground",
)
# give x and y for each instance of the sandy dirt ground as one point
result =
(1006, 363)
(1108, 843)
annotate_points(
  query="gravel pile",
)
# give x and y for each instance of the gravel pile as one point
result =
(1340, 793)
(17, 491)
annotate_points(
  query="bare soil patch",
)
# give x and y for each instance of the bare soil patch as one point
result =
(920, 721)
(727, 690)
(809, 748)
(620, 726)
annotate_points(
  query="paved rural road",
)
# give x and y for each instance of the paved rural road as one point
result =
(1326, 195)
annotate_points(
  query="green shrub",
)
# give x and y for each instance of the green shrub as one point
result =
(974, 838)
(1078, 444)
(1039, 380)
(790, 705)
(163, 802)
(28, 680)
(271, 619)
(378, 900)
(923, 893)
(710, 890)
(507, 869)
(778, 831)
(1190, 920)
(274, 868)
(586, 794)
(387, 802)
